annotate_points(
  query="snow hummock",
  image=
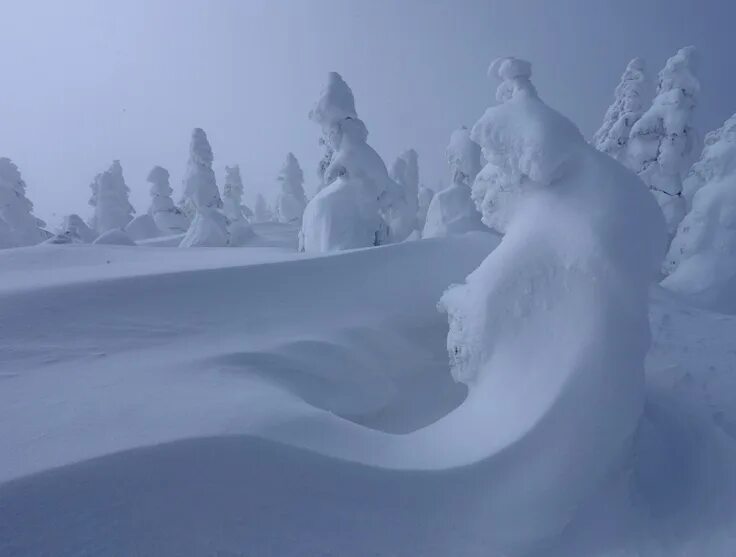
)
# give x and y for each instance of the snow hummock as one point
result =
(168, 217)
(114, 237)
(663, 141)
(18, 225)
(291, 199)
(702, 257)
(112, 209)
(209, 227)
(626, 109)
(452, 211)
(345, 213)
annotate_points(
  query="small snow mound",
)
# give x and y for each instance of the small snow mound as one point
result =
(142, 227)
(115, 237)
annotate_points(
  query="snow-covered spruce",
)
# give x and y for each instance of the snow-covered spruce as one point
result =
(662, 142)
(424, 199)
(237, 214)
(167, 216)
(452, 211)
(73, 230)
(346, 212)
(261, 211)
(209, 225)
(702, 257)
(552, 329)
(628, 106)
(18, 225)
(401, 214)
(112, 209)
(291, 199)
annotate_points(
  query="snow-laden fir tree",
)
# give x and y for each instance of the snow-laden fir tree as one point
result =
(261, 211)
(401, 214)
(630, 97)
(346, 213)
(237, 214)
(21, 227)
(167, 216)
(662, 141)
(291, 199)
(452, 210)
(209, 225)
(424, 199)
(112, 208)
(706, 238)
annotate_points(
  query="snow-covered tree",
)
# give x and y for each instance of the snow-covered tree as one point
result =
(346, 212)
(628, 106)
(706, 237)
(662, 141)
(21, 227)
(291, 200)
(401, 214)
(73, 230)
(209, 226)
(261, 211)
(424, 198)
(452, 210)
(167, 216)
(112, 209)
(232, 195)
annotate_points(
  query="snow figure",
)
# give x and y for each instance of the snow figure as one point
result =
(209, 225)
(662, 142)
(346, 212)
(73, 230)
(702, 257)
(551, 331)
(401, 214)
(261, 210)
(452, 211)
(168, 218)
(291, 200)
(110, 200)
(627, 108)
(114, 237)
(424, 199)
(239, 227)
(20, 227)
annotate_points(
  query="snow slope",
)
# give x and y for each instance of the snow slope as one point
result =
(153, 401)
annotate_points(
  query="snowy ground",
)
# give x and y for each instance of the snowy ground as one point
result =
(158, 401)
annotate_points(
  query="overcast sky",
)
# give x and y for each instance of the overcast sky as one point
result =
(88, 81)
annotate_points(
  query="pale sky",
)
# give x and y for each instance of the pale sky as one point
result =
(85, 82)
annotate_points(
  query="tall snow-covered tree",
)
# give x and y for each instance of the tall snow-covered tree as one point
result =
(232, 195)
(628, 106)
(662, 141)
(402, 212)
(452, 210)
(209, 226)
(21, 227)
(112, 208)
(291, 200)
(167, 216)
(424, 197)
(346, 213)
(707, 234)
(261, 211)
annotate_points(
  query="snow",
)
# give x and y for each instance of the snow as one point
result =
(452, 211)
(112, 209)
(115, 237)
(142, 227)
(18, 225)
(210, 228)
(291, 200)
(424, 196)
(167, 217)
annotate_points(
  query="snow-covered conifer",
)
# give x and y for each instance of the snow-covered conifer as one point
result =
(291, 200)
(261, 211)
(21, 227)
(626, 109)
(73, 230)
(112, 209)
(452, 210)
(662, 141)
(705, 244)
(209, 225)
(401, 214)
(424, 199)
(233, 208)
(167, 216)
(346, 213)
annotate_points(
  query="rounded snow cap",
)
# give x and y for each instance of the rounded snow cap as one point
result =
(335, 103)
(158, 175)
(515, 75)
(199, 147)
(636, 64)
